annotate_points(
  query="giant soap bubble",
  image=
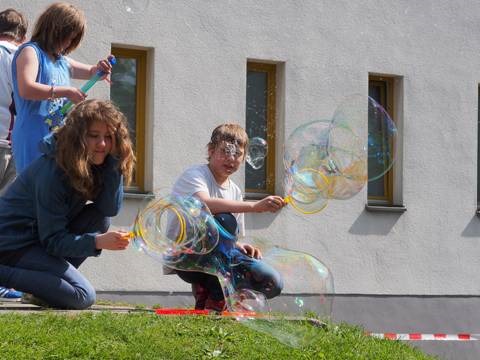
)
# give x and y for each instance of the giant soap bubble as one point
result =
(175, 226)
(307, 294)
(183, 235)
(380, 134)
(334, 158)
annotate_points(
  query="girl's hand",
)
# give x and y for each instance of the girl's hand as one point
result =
(103, 66)
(75, 95)
(112, 240)
(71, 93)
(250, 250)
(271, 203)
(113, 134)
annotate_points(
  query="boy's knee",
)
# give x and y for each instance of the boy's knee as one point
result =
(274, 285)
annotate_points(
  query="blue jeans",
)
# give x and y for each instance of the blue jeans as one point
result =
(247, 273)
(52, 279)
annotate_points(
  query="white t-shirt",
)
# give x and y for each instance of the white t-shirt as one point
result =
(199, 178)
(6, 117)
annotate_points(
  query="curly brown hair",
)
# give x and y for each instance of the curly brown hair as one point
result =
(58, 23)
(72, 152)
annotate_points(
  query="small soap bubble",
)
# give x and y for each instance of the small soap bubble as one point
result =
(257, 151)
(135, 6)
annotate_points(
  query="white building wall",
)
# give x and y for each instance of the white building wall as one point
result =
(197, 74)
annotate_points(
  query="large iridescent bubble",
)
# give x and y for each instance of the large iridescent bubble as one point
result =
(307, 294)
(380, 134)
(251, 288)
(334, 158)
(173, 226)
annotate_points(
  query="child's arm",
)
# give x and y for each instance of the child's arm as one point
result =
(271, 203)
(29, 88)
(85, 71)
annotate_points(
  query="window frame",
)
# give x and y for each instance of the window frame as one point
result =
(140, 112)
(478, 150)
(271, 71)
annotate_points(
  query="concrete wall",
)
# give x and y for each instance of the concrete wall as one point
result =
(197, 74)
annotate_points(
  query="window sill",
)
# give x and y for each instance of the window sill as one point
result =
(255, 196)
(386, 209)
(139, 195)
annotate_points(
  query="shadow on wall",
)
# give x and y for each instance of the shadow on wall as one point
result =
(374, 224)
(260, 221)
(473, 228)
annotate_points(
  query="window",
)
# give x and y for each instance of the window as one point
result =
(128, 92)
(385, 190)
(260, 122)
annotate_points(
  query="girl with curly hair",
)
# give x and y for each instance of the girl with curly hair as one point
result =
(56, 213)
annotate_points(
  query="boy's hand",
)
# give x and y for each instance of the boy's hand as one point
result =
(249, 250)
(112, 240)
(271, 203)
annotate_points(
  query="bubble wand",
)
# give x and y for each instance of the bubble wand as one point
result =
(55, 118)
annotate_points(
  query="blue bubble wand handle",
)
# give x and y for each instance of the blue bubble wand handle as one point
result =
(55, 119)
(88, 85)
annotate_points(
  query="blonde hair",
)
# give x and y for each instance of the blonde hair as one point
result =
(230, 133)
(72, 151)
(56, 25)
(13, 25)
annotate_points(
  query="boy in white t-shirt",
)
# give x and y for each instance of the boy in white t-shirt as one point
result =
(211, 184)
(13, 30)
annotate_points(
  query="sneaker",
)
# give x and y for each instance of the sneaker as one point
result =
(31, 299)
(200, 294)
(9, 294)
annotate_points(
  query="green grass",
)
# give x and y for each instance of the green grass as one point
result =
(106, 335)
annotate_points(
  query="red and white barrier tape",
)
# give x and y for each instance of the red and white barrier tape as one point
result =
(426, 337)
(388, 336)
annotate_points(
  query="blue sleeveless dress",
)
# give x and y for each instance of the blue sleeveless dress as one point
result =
(30, 127)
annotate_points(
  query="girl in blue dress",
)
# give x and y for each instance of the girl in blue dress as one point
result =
(41, 77)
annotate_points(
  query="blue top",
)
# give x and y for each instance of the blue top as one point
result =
(39, 204)
(30, 127)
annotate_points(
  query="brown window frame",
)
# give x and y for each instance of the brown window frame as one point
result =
(271, 71)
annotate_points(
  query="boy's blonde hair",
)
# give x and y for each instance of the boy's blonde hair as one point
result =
(230, 133)
(13, 25)
(58, 23)
(72, 151)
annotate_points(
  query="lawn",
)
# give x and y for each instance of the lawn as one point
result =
(144, 335)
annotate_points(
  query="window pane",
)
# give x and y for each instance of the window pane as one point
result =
(256, 123)
(124, 90)
(376, 188)
(124, 93)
